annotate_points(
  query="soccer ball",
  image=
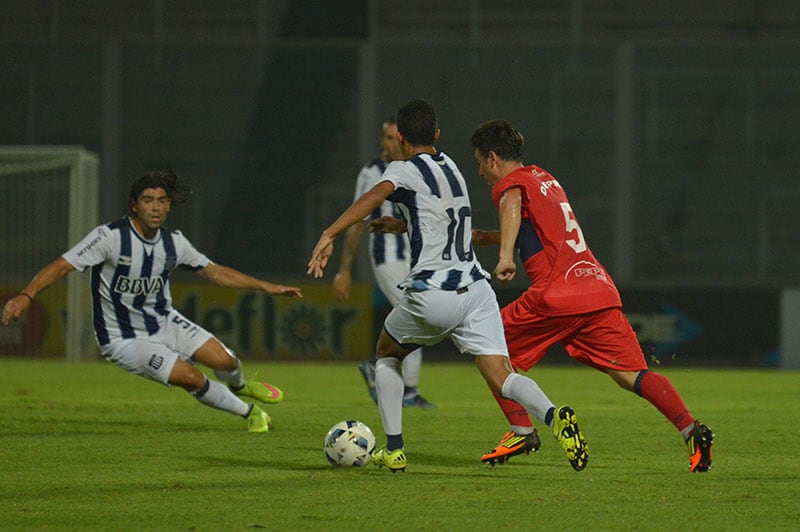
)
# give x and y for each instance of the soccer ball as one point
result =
(349, 443)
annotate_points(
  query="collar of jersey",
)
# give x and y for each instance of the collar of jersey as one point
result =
(143, 239)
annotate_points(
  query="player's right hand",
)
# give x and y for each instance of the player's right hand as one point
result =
(505, 270)
(320, 255)
(15, 307)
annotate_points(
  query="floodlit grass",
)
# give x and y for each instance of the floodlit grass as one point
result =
(87, 446)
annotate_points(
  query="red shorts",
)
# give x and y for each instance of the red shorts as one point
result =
(601, 339)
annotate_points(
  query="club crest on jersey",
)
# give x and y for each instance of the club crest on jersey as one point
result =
(139, 285)
(171, 263)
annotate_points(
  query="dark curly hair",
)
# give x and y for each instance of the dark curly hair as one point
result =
(177, 190)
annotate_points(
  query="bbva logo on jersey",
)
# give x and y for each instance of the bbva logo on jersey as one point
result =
(139, 285)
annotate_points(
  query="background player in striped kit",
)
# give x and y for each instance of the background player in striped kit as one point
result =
(572, 299)
(389, 257)
(447, 293)
(135, 325)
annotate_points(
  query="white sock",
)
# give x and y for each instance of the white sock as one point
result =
(234, 377)
(526, 392)
(389, 387)
(411, 368)
(218, 396)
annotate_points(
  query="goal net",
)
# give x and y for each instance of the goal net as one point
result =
(49, 197)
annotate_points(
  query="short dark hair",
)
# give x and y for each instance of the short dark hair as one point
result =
(417, 122)
(177, 191)
(500, 137)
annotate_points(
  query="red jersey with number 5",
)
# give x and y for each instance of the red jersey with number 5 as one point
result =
(566, 278)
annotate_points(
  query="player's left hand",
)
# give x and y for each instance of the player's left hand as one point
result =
(320, 255)
(387, 224)
(341, 286)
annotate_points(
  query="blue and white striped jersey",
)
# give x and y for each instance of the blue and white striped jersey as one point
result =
(432, 196)
(382, 248)
(130, 277)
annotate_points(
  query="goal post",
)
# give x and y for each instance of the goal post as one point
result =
(50, 200)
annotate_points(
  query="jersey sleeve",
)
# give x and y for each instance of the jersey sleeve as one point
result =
(398, 174)
(362, 183)
(188, 257)
(505, 184)
(93, 249)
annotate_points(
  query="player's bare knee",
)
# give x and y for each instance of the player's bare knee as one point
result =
(495, 370)
(624, 379)
(231, 362)
(215, 355)
(388, 347)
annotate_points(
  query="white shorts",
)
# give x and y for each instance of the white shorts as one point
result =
(154, 356)
(387, 276)
(471, 318)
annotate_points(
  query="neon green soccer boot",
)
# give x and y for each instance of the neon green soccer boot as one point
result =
(258, 420)
(566, 431)
(260, 391)
(394, 460)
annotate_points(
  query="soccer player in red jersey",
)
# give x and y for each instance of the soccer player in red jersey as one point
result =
(571, 300)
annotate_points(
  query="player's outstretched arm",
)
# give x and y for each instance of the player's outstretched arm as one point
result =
(364, 205)
(50, 274)
(228, 277)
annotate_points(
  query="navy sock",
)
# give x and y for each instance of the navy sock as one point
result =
(637, 385)
(394, 442)
(548, 417)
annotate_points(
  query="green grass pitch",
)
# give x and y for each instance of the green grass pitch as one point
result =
(86, 446)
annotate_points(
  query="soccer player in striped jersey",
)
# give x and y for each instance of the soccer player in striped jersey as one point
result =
(446, 293)
(135, 325)
(389, 256)
(572, 299)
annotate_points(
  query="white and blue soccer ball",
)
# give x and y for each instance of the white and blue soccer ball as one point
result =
(349, 444)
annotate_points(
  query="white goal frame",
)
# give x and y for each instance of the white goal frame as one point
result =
(82, 216)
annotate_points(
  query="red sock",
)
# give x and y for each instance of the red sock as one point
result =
(515, 413)
(661, 394)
